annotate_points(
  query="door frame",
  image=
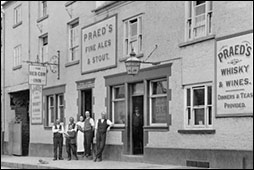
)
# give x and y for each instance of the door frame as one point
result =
(130, 114)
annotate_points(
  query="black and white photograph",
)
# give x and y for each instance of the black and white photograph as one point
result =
(126, 84)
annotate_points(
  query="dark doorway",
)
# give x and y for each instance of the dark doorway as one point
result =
(86, 102)
(137, 124)
(20, 103)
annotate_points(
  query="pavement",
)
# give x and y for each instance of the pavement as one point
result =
(28, 162)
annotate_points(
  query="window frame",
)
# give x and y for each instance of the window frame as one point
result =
(17, 18)
(43, 9)
(17, 57)
(55, 107)
(71, 43)
(151, 96)
(190, 19)
(190, 123)
(128, 39)
(113, 101)
(44, 49)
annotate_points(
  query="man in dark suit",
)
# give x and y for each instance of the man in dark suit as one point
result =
(137, 126)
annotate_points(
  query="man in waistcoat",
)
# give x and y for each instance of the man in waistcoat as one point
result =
(58, 131)
(102, 126)
(88, 134)
(71, 143)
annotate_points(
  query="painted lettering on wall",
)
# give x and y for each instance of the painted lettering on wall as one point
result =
(99, 45)
(234, 75)
(37, 75)
(36, 104)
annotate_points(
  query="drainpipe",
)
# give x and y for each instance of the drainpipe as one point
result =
(3, 81)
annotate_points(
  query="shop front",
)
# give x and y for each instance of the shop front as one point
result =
(139, 104)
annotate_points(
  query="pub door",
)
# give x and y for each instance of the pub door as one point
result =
(86, 102)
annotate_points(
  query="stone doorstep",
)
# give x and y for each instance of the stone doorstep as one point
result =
(26, 166)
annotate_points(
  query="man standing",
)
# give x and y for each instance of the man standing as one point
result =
(102, 126)
(88, 134)
(71, 143)
(58, 131)
(137, 132)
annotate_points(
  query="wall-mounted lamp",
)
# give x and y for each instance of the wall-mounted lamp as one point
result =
(132, 64)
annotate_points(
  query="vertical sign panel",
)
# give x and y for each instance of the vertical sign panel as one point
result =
(98, 43)
(36, 102)
(234, 75)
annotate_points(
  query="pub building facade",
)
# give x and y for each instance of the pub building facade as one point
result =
(195, 98)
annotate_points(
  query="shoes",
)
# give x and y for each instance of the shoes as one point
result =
(54, 159)
(76, 158)
(69, 159)
(61, 158)
(95, 159)
(99, 160)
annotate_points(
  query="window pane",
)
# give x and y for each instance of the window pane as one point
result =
(119, 112)
(51, 101)
(133, 27)
(52, 114)
(199, 115)
(138, 88)
(198, 97)
(159, 109)
(119, 92)
(159, 87)
(209, 115)
(209, 95)
(189, 115)
(61, 100)
(134, 46)
(188, 97)
(61, 114)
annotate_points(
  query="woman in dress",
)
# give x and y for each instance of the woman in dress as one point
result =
(80, 135)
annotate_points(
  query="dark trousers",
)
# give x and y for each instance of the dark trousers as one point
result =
(137, 141)
(58, 143)
(71, 146)
(88, 138)
(100, 143)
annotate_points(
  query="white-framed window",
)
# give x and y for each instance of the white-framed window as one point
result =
(43, 9)
(17, 15)
(17, 56)
(118, 105)
(198, 106)
(60, 107)
(44, 48)
(158, 102)
(198, 19)
(133, 36)
(55, 109)
(73, 41)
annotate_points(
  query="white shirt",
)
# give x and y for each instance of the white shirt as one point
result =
(57, 129)
(102, 120)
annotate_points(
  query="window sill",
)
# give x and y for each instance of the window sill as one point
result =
(198, 131)
(16, 25)
(69, 3)
(140, 55)
(72, 63)
(48, 127)
(156, 128)
(17, 67)
(117, 128)
(42, 18)
(198, 40)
